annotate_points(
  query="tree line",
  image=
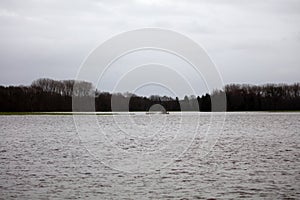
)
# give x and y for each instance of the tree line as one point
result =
(45, 95)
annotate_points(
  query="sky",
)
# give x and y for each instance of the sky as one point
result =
(250, 41)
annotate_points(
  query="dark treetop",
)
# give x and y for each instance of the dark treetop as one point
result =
(52, 95)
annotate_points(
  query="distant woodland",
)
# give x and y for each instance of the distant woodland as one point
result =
(45, 95)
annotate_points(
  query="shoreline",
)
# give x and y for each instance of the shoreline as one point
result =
(133, 112)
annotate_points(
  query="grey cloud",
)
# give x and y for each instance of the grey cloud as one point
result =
(51, 38)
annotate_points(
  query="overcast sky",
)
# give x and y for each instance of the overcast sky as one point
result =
(250, 41)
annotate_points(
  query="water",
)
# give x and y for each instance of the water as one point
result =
(255, 155)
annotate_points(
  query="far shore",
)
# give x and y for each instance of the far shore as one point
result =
(133, 112)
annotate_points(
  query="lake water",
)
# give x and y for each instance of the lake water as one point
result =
(139, 156)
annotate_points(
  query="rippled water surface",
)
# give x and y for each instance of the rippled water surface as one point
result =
(253, 155)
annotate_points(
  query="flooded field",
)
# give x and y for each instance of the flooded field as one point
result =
(140, 156)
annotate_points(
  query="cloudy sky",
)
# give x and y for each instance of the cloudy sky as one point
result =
(250, 41)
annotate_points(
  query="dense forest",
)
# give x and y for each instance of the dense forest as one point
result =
(52, 95)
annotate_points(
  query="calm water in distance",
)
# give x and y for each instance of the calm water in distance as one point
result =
(254, 156)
